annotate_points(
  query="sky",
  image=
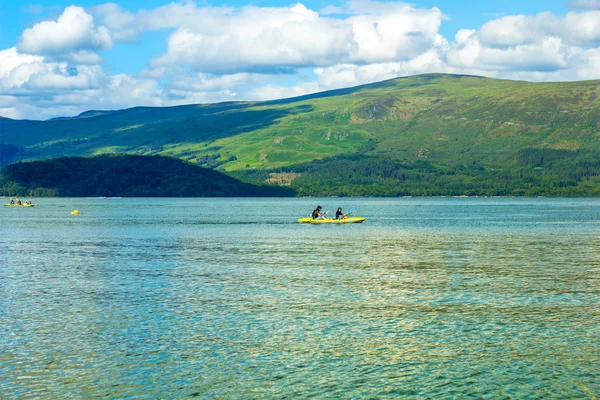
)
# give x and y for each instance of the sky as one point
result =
(61, 57)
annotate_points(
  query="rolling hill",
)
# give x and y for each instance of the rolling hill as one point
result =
(528, 138)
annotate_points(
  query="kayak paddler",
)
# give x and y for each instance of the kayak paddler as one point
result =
(339, 214)
(316, 214)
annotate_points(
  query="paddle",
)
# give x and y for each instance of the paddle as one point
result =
(324, 214)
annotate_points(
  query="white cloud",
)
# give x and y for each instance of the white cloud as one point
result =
(345, 75)
(263, 53)
(583, 28)
(128, 26)
(396, 34)
(330, 10)
(62, 77)
(584, 4)
(465, 52)
(73, 35)
(30, 87)
(26, 74)
(275, 92)
(259, 39)
(549, 55)
(121, 24)
(587, 65)
(543, 46)
(285, 38)
(117, 92)
(11, 58)
(576, 28)
(185, 14)
(516, 30)
(470, 53)
(207, 82)
(370, 7)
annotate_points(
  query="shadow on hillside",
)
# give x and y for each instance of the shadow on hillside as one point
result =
(91, 123)
(220, 125)
(145, 126)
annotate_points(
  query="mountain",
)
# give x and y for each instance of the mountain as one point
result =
(124, 175)
(528, 138)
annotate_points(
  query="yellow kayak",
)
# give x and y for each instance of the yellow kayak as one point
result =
(353, 220)
(19, 205)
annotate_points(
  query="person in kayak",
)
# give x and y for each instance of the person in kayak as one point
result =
(18, 202)
(340, 215)
(316, 214)
(12, 201)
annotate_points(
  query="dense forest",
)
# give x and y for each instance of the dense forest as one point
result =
(535, 172)
(125, 176)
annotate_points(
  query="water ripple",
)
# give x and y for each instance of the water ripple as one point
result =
(151, 302)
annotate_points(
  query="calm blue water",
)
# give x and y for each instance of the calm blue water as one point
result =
(231, 298)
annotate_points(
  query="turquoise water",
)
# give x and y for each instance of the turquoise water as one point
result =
(231, 298)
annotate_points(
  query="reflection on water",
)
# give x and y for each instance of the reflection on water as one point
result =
(231, 298)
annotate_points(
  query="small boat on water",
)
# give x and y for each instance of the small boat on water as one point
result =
(353, 220)
(18, 205)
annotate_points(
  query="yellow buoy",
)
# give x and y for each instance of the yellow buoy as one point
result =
(75, 212)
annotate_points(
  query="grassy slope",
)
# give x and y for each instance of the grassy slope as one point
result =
(442, 118)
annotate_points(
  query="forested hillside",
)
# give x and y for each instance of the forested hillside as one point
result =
(427, 134)
(543, 173)
(124, 175)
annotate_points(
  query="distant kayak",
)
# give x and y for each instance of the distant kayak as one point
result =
(354, 220)
(19, 205)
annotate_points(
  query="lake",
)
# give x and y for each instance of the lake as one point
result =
(231, 298)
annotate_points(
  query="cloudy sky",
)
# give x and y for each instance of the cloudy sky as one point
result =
(59, 58)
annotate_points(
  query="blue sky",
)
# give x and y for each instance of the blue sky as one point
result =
(59, 58)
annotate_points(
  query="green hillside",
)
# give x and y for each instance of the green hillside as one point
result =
(124, 175)
(450, 123)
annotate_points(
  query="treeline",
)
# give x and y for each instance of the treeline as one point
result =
(536, 172)
(125, 176)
